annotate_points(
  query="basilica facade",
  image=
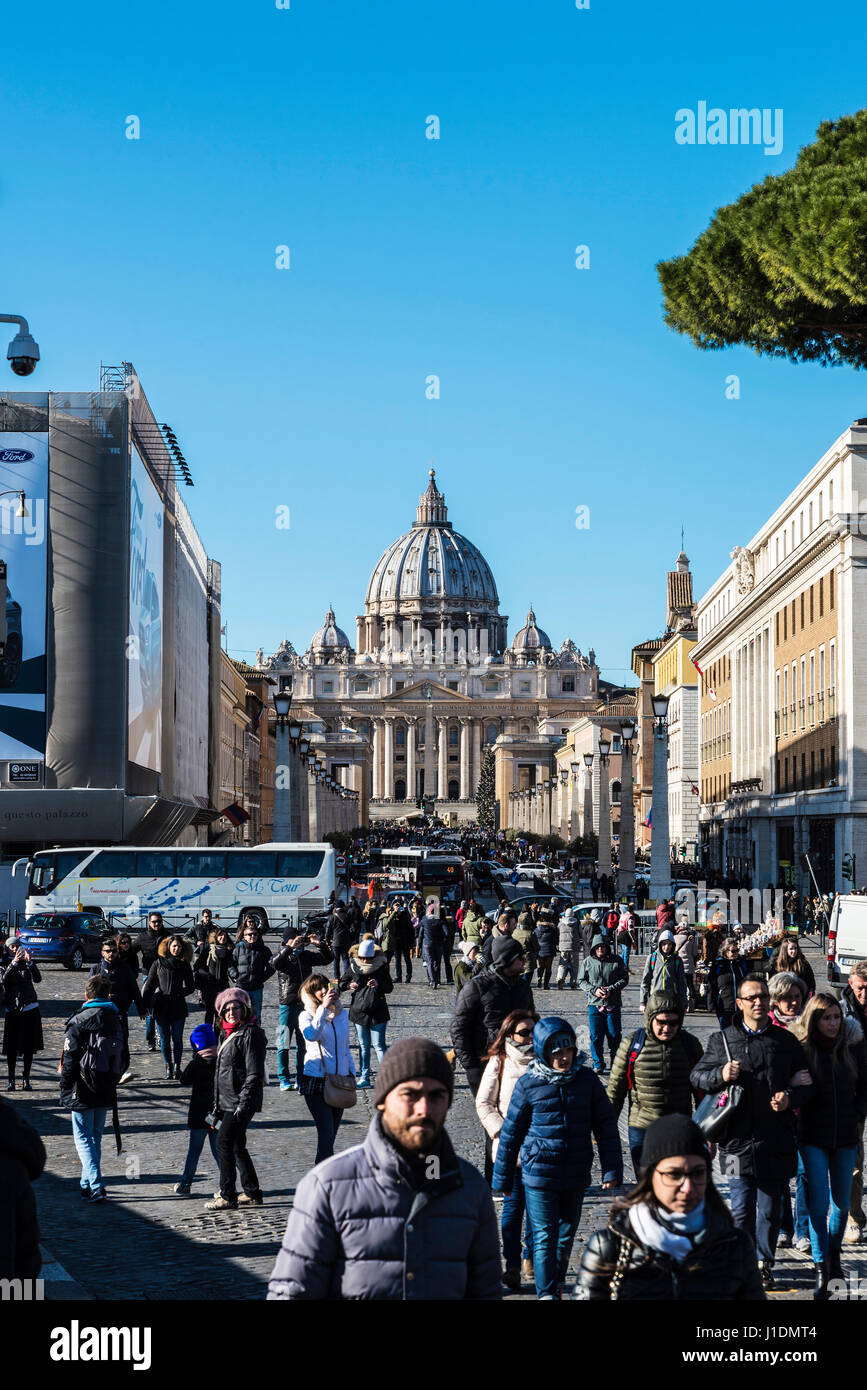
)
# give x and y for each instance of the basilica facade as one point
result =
(406, 714)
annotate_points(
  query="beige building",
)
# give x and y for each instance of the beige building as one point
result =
(405, 716)
(782, 645)
(239, 758)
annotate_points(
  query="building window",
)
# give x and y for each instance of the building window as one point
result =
(785, 774)
(490, 685)
(327, 687)
(362, 685)
(785, 623)
(812, 767)
(831, 591)
(453, 738)
(777, 635)
(616, 746)
(615, 793)
(802, 612)
(400, 790)
(822, 596)
(811, 603)
(491, 735)
(400, 737)
(454, 790)
(525, 731)
(567, 685)
(398, 685)
(820, 506)
(524, 687)
(453, 685)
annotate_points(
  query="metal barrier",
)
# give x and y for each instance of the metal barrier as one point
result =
(185, 922)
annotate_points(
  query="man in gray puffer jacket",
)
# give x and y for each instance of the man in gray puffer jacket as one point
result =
(399, 1216)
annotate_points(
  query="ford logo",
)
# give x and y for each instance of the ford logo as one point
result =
(15, 456)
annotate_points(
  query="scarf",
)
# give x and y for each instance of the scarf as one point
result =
(365, 967)
(229, 1028)
(557, 1078)
(673, 1235)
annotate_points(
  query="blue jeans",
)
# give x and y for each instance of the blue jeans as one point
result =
(172, 1041)
(432, 964)
(602, 1026)
(150, 1025)
(514, 1207)
(287, 1026)
(87, 1127)
(756, 1205)
(256, 1001)
(194, 1152)
(636, 1144)
(327, 1121)
(554, 1217)
(375, 1034)
(797, 1225)
(624, 953)
(824, 1170)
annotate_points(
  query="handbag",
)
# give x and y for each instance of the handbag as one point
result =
(716, 1111)
(339, 1090)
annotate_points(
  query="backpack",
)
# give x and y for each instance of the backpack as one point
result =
(100, 1064)
(639, 1038)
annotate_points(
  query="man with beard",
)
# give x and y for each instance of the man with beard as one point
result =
(399, 1216)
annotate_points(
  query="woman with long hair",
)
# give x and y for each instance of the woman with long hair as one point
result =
(324, 1026)
(726, 973)
(508, 1057)
(789, 956)
(672, 1236)
(22, 1031)
(368, 981)
(169, 982)
(214, 960)
(828, 1123)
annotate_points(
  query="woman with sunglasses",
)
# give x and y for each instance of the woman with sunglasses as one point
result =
(726, 974)
(509, 1055)
(672, 1236)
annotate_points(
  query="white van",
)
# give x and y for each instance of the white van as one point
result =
(847, 936)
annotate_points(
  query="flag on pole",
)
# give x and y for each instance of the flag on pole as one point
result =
(711, 691)
(235, 814)
(649, 815)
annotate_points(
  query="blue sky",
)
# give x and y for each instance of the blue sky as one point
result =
(306, 387)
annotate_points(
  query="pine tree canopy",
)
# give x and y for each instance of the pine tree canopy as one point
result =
(784, 269)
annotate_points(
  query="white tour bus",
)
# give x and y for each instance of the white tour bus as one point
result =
(278, 883)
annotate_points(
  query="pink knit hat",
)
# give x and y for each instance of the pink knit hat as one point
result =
(233, 996)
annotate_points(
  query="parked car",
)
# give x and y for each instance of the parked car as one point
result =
(847, 935)
(72, 938)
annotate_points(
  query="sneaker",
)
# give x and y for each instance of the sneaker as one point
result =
(10, 1086)
(803, 1245)
(853, 1234)
(220, 1204)
(152, 1046)
(182, 1189)
(364, 1086)
(98, 1194)
(245, 1200)
(127, 1076)
(25, 1086)
(285, 1085)
(785, 1241)
(85, 1189)
(511, 1279)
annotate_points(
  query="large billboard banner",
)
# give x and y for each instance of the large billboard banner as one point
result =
(144, 642)
(23, 581)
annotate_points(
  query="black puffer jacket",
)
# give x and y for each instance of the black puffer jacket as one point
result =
(660, 1072)
(147, 944)
(22, 1159)
(342, 933)
(199, 1073)
(483, 1003)
(251, 966)
(239, 1077)
(169, 981)
(123, 986)
(294, 963)
(368, 1006)
(722, 1268)
(832, 1116)
(18, 982)
(94, 1017)
(762, 1139)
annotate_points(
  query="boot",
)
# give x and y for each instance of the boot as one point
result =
(767, 1271)
(820, 1290)
(512, 1280)
(835, 1268)
(527, 1271)
(169, 1073)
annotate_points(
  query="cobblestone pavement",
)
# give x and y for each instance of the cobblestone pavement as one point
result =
(160, 1246)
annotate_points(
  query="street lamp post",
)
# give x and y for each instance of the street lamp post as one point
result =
(626, 874)
(282, 773)
(660, 854)
(588, 795)
(546, 807)
(564, 823)
(573, 819)
(604, 859)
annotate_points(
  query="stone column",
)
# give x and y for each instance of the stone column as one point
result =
(313, 801)
(465, 758)
(428, 751)
(389, 757)
(443, 759)
(604, 857)
(377, 756)
(476, 766)
(587, 815)
(626, 876)
(660, 849)
(410, 757)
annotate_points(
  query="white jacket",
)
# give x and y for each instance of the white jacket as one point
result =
(326, 1039)
(494, 1094)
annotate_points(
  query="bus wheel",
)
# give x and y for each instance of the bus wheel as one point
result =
(260, 915)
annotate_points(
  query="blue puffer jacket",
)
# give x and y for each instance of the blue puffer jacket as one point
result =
(551, 1124)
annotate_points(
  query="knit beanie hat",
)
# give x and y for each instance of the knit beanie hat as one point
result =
(505, 950)
(566, 1038)
(665, 936)
(203, 1036)
(466, 947)
(367, 950)
(233, 996)
(670, 1136)
(408, 1060)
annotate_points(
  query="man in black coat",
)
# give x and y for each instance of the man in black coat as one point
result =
(340, 936)
(759, 1153)
(297, 958)
(147, 943)
(123, 991)
(22, 1159)
(483, 1003)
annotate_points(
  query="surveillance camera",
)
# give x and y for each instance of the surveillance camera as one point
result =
(23, 354)
(23, 366)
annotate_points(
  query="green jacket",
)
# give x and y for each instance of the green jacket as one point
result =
(471, 924)
(660, 1074)
(462, 972)
(611, 973)
(526, 937)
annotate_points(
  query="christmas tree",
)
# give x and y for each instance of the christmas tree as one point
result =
(485, 792)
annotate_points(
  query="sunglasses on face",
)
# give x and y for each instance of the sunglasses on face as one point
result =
(523, 1033)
